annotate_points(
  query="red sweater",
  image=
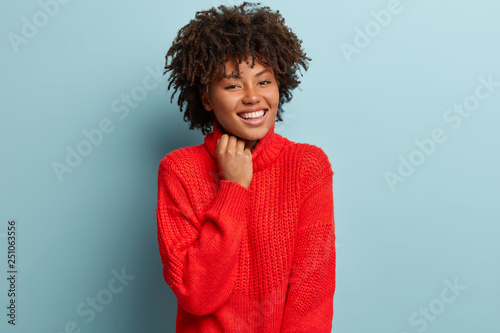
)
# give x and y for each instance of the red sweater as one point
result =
(241, 260)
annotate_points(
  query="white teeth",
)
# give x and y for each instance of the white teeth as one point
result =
(252, 115)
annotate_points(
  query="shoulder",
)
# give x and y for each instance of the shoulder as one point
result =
(184, 160)
(313, 155)
(312, 164)
(309, 157)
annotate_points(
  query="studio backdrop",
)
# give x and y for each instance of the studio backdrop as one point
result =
(402, 95)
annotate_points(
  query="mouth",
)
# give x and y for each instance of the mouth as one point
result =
(253, 114)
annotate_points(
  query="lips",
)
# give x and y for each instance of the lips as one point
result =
(252, 113)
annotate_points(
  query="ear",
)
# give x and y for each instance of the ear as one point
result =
(205, 100)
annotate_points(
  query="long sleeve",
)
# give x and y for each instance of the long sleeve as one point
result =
(311, 286)
(200, 257)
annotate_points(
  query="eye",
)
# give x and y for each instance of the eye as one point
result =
(232, 86)
(264, 82)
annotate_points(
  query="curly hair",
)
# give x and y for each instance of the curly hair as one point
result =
(200, 51)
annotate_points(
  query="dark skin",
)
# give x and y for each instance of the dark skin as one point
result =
(254, 87)
(200, 48)
(235, 160)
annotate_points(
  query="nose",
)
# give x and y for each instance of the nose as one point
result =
(251, 96)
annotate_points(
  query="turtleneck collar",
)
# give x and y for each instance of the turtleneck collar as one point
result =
(263, 154)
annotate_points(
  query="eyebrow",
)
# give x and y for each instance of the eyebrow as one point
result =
(237, 76)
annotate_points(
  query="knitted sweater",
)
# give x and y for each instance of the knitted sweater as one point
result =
(241, 260)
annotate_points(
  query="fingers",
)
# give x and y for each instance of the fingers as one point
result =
(222, 142)
(248, 152)
(230, 144)
(235, 160)
(240, 145)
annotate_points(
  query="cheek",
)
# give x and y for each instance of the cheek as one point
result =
(225, 102)
(221, 101)
(273, 97)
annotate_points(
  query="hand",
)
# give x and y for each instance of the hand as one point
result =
(235, 160)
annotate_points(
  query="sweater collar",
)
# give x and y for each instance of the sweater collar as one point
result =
(264, 153)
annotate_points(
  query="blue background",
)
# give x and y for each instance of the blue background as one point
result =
(396, 245)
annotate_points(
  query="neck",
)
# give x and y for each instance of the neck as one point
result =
(248, 143)
(264, 151)
(251, 144)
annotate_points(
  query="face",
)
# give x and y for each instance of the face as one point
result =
(253, 93)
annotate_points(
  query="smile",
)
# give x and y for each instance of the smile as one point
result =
(254, 118)
(252, 115)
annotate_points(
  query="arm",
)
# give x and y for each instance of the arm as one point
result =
(200, 258)
(309, 300)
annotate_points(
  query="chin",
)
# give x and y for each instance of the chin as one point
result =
(260, 135)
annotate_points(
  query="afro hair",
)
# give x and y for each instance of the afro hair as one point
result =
(201, 48)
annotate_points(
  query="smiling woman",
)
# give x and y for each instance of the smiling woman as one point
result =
(245, 220)
(204, 48)
(244, 104)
